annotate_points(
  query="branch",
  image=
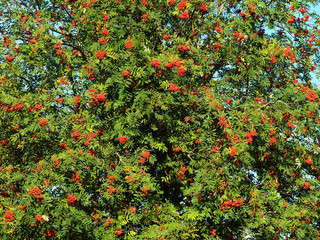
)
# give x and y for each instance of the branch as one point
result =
(67, 12)
(119, 157)
(221, 9)
(25, 5)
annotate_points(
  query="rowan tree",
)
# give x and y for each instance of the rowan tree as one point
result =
(159, 119)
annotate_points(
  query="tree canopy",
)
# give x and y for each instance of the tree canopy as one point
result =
(159, 119)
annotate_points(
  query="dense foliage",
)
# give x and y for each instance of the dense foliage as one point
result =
(159, 119)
